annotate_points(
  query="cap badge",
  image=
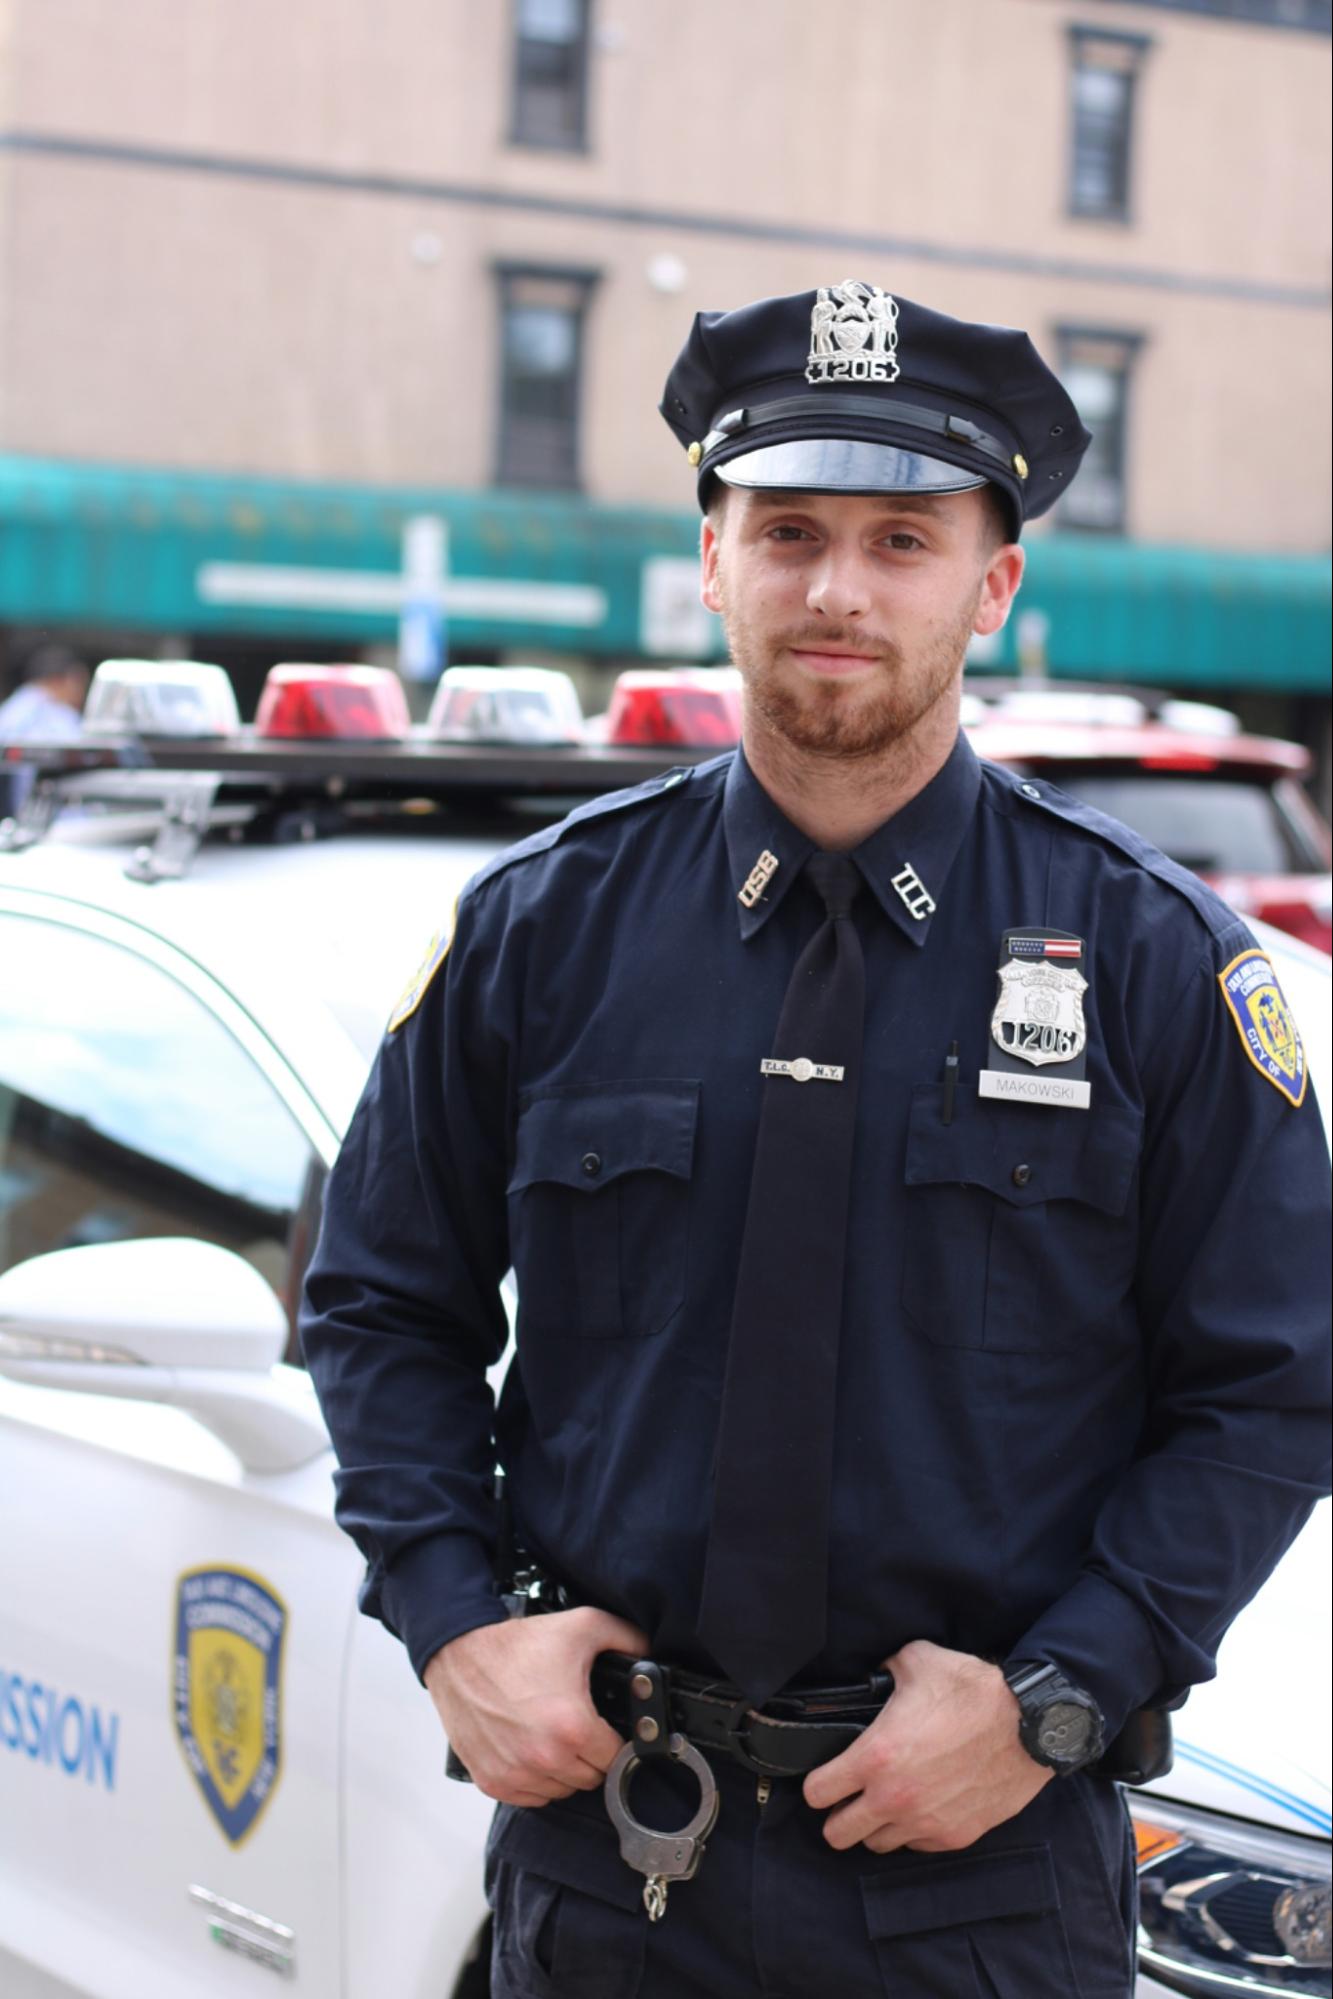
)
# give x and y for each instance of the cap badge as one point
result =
(853, 334)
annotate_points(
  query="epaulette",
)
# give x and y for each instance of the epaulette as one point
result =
(1046, 797)
(674, 782)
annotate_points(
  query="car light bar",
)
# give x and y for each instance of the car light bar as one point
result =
(366, 703)
(505, 704)
(160, 697)
(698, 706)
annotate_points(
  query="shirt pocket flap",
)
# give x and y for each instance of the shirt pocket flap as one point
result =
(584, 1136)
(949, 1893)
(569, 1848)
(1025, 1153)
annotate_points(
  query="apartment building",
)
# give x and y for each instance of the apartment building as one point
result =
(312, 312)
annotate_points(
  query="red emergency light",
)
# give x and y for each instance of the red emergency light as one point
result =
(697, 710)
(365, 702)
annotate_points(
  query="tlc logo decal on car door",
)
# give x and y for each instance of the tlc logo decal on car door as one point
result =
(227, 1691)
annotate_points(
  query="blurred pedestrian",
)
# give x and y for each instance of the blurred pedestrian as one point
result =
(46, 707)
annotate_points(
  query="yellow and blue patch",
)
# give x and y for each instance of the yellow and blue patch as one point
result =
(416, 988)
(1267, 1028)
(227, 1691)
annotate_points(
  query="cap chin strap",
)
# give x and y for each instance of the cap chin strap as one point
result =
(938, 423)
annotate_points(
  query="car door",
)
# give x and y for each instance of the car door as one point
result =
(172, 1628)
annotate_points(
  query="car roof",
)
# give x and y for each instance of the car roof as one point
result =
(341, 922)
(1150, 745)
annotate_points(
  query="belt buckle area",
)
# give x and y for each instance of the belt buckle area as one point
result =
(661, 1857)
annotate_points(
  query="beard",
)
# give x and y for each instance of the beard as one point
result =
(829, 718)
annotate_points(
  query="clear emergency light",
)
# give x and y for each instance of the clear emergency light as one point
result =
(160, 697)
(697, 707)
(505, 704)
(301, 701)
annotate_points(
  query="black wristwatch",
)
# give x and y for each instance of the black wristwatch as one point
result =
(1059, 1725)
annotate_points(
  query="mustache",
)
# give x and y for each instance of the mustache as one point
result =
(823, 638)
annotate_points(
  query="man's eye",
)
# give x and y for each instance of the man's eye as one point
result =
(904, 541)
(787, 531)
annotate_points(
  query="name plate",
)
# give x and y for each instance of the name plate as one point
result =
(1065, 1092)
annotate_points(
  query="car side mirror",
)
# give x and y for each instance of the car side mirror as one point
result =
(167, 1319)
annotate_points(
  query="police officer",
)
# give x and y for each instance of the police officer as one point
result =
(919, 1211)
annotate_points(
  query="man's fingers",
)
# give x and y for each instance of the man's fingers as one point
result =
(842, 1777)
(602, 1747)
(852, 1824)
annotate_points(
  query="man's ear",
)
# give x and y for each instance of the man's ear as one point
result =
(1004, 573)
(709, 542)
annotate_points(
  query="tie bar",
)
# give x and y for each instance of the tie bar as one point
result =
(802, 1071)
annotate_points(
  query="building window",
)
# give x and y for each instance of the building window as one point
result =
(1095, 367)
(551, 73)
(1103, 73)
(541, 319)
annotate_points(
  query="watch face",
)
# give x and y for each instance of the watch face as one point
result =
(1065, 1730)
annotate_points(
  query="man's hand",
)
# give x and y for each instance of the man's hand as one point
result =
(515, 1705)
(940, 1766)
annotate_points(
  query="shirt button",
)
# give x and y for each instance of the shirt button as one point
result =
(591, 1163)
(1020, 1175)
(1029, 791)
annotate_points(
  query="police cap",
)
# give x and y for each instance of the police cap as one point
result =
(848, 389)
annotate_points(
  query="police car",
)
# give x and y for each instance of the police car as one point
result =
(213, 1770)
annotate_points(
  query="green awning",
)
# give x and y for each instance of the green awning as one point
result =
(1125, 610)
(117, 546)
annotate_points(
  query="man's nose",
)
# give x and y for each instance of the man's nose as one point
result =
(839, 587)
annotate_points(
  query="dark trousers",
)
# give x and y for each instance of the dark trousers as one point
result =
(1042, 1908)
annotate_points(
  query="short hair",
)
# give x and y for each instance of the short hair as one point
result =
(996, 526)
(53, 662)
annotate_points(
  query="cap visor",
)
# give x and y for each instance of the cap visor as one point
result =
(844, 465)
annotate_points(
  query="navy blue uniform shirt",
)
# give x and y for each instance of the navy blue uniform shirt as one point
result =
(1081, 1404)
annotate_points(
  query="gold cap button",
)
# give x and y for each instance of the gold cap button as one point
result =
(695, 453)
(1020, 465)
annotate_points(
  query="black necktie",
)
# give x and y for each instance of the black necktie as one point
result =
(764, 1605)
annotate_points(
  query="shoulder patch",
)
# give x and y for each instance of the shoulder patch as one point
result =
(417, 986)
(1264, 1021)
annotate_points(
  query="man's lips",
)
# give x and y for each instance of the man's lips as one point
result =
(832, 662)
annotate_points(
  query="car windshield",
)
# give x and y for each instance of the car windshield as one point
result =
(1213, 825)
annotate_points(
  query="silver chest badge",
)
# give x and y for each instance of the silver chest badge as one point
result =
(1039, 1014)
(1038, 1022)
(853, 334)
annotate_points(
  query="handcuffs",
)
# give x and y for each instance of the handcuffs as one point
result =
(661, 1857)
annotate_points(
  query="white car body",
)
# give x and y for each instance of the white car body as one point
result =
(359, 1873)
